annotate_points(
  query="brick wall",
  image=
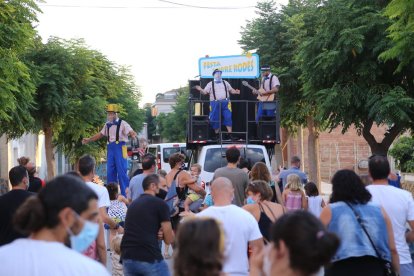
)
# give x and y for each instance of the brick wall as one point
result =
(337, 150)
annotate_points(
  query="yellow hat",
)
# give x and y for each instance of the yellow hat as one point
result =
(112, 108)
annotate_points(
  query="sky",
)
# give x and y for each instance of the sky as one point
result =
(159, 41)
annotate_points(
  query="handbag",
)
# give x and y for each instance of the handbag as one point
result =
(388, 270)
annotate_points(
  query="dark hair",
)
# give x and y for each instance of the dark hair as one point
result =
(347, 186)
(232, 155)
(16, 175)
(261, 187)
(148, 161)
(23, 161)
(195, 236)
(112, 190)
(151, 178)
(260, 172)
(295, 159)
(75, 174)
(175, 158)
(379, 167)
(311, 189)
(244, 163)
(86, 164)
(43, 209)
(310, 245)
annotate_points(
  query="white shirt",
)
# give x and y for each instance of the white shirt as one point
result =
(265, 82)
(102, 193)
(240, 227)
(399, 205)
(219, 89)
(315, 205)
(26, 257)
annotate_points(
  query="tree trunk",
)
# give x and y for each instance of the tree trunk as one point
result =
(389, 137)
(50, 156)
(313, 153)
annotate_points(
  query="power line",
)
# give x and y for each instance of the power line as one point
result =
(176, 6)
(206, 7)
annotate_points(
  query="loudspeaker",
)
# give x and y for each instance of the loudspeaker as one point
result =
(267, 131)
(199, 128)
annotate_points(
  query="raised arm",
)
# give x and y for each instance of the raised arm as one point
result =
(94, 138)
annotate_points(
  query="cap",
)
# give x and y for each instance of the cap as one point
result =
(265, 68)
(217, 70)
(112, 108)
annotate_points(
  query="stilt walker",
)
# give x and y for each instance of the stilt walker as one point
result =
(116, 130)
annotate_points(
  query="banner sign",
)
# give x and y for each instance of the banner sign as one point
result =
(233, 67)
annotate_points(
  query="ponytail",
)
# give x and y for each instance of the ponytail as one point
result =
(30, 216)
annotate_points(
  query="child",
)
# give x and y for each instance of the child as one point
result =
(116, 256)
(117, 210)
(193, 196)
(315, 201)
(293, 195)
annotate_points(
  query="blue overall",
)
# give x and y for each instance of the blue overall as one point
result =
(117, 166)
(215, 107)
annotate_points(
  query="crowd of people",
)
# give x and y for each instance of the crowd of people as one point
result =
(247, 223)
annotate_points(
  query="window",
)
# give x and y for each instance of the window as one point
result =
(216, 157)
(167, 152)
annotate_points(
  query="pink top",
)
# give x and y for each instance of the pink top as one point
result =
(293, 201)
(124, 130)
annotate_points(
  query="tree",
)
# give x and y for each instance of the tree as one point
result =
(277, 35)
(173, 125)
(342, 73)
(403, 152)
(401, 32)
(16, 84)
(74, 85)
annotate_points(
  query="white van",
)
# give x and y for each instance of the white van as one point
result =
(213, 157)
(162, 153)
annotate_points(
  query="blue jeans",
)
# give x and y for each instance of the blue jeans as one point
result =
(137, 268)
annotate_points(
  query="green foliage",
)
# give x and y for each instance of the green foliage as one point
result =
(172, 126)
(403, 152)
(74, 85)
(401, 32)
(16, 84)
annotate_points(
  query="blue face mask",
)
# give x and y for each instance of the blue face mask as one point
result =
(86, 236)
(250, 200)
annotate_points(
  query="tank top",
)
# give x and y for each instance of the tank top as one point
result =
(294, 201)
(314, 205)
(265, 222)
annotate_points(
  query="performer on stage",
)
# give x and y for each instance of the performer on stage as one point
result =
(116, 130)
(270, 83)
(219, 100)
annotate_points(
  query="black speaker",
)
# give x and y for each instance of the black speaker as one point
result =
(199, 128)
(267, 130)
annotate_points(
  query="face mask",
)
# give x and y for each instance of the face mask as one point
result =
(183, 166)
(250, 200)
(86, 236)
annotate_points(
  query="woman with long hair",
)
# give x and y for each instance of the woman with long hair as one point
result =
(365, 230)
(259, 205)
(261, 172)
(199, 248)
(299, 246)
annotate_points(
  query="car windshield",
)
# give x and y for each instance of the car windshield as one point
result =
(216, 157)
(167, 152)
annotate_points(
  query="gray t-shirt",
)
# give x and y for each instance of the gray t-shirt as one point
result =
(238, 178)
(135, 186)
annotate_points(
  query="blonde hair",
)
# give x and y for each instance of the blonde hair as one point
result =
(116, 244)
(293, 182)
(197, 166)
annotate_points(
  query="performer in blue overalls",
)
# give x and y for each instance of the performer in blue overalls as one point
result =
(116, 130)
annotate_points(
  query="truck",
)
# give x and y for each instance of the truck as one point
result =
(256, 140)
